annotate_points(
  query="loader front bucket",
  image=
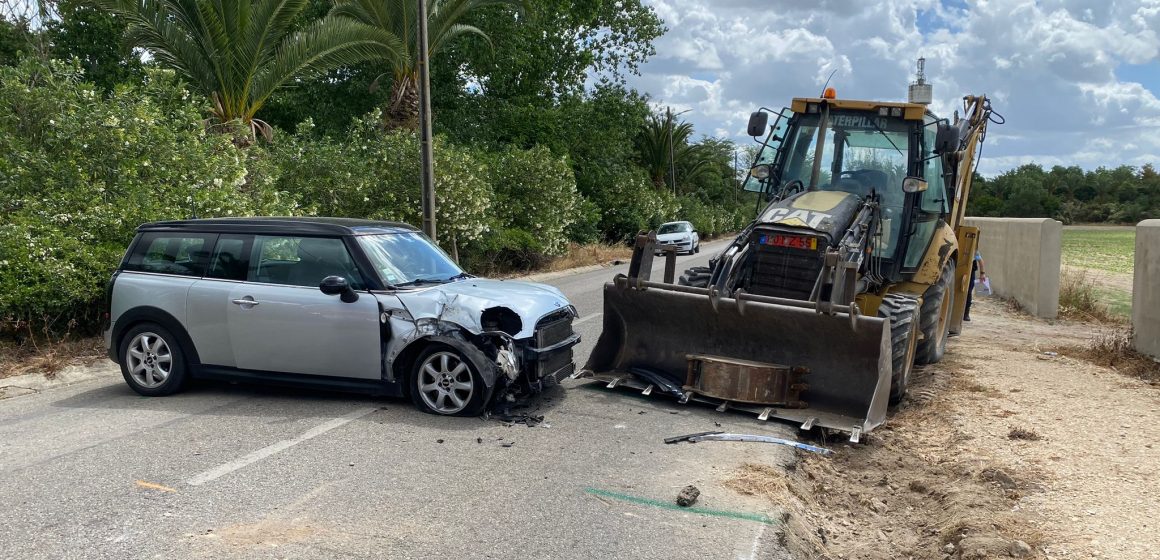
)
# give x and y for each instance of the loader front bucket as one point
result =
(747, 355)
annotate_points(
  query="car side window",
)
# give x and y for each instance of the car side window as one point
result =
(180, 253)
(231, 258)
(301, 261)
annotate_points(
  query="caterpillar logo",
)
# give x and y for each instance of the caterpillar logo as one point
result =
(797, 218)
(857, 121)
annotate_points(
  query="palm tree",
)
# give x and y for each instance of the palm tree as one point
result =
(398, 19)
(238, 52)
(663, 144)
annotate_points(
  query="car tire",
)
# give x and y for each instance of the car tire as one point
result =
(444, 382)
(902, 312)
(696, 247)
(152, 360)
(937, 303)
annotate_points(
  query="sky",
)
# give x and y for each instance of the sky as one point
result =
(1076, 80)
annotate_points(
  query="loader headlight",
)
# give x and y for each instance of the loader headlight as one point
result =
(759, 171)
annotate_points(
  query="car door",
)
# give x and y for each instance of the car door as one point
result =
(279, 320)
(208, 300)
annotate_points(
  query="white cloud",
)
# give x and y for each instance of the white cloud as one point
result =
(1049, 66)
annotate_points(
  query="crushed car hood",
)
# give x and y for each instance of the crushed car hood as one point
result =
(463, 302)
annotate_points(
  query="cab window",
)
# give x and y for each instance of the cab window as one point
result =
(935, 198)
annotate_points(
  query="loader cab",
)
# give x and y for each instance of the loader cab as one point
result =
(858, 147)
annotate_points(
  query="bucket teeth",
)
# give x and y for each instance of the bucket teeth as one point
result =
(723, 406)
(616, 381)
(809, 423)
(855, 434)
(765, 414)
(647, 390)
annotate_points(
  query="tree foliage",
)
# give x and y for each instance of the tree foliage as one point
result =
(239, 53)
(1122, 194)
(397, 23)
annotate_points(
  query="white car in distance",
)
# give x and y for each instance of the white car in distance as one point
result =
(681, 234)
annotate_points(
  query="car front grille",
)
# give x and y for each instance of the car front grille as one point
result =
(554, 328)
(551, 330)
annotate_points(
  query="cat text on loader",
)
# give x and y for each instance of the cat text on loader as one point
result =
(855, 268)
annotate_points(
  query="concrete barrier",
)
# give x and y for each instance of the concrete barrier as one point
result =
(1146, 288)
(1022, 257)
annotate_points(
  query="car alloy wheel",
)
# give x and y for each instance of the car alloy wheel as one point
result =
(444, 382)
(149, 360)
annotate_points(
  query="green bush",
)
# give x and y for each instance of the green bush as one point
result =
(82, 170)
(372, 174)
(629, 203)
(536, 193)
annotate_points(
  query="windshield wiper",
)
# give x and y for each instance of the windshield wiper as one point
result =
(887, 136)
(420, 281)
(460, 276)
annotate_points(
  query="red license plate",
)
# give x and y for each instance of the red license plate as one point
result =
(791, 241)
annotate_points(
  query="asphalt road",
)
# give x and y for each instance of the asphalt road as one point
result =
(230, 471)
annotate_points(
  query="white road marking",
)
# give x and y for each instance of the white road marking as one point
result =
(756, 542)
(241, 462)
(586, 319)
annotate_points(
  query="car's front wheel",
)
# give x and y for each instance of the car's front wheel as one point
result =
(152, 361)
(444, 382)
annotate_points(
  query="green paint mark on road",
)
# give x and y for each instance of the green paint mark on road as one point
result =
(666, 505)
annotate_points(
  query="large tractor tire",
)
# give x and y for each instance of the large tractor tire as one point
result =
(935, 317)
(697, 277)
(902, 311)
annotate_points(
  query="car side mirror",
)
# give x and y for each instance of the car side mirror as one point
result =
(946, 138)
(758, 123)
(338, 286)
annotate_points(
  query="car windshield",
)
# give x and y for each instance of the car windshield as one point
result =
(403, 259)
(673, 228)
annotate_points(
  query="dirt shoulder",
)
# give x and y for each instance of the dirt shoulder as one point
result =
(1001, 450)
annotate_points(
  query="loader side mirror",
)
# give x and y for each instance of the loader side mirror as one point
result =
(913, 185)
(758, 123)
(946, 138)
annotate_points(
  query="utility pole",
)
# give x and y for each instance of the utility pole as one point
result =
(672, 159)
(427, 155)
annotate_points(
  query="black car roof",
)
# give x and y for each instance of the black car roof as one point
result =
(281, 225)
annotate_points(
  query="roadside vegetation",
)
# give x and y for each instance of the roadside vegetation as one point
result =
(112, 115)
(1096, 280)
(1121, 195)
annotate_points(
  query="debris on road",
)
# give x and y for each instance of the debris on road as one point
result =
(721, 436)
(527, 419)
(686, 437)
(688, 496)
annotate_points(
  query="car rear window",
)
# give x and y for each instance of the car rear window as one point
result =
(180, 253)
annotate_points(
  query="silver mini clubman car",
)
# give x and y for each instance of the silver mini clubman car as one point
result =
(330, 303)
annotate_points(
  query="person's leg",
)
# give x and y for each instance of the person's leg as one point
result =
(970, 291)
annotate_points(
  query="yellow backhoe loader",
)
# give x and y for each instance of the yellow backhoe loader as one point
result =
(855, 268)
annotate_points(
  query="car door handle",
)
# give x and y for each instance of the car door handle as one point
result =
(244, 302)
